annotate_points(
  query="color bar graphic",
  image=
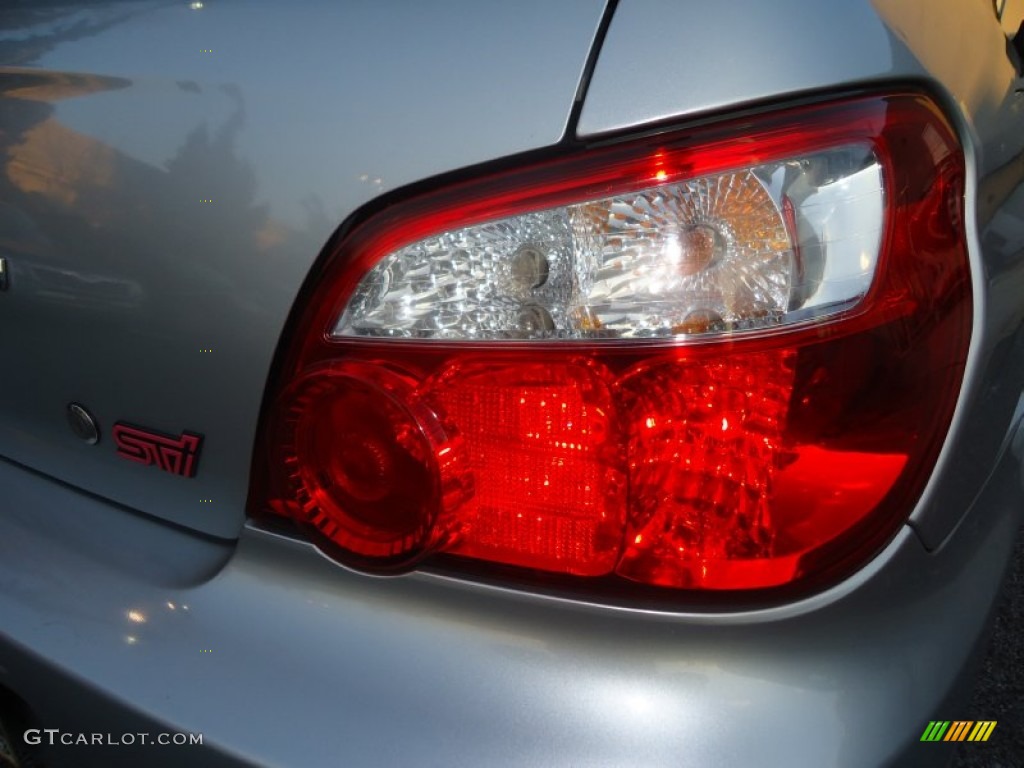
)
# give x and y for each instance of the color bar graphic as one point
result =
(958, 730)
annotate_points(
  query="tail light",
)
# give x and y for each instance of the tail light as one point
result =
(718, 359)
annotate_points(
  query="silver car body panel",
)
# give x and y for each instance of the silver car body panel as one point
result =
(122, 279)
(123, 119)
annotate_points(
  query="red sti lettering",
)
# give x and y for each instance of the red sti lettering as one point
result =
(177, 455)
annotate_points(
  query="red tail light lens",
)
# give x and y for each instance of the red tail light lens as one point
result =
(369, 464)
(544, 439)
(722, 360)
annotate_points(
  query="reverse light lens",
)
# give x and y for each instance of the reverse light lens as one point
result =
(719, 360)
(706, 255)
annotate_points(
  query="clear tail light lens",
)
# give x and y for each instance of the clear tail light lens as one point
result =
(724, 359)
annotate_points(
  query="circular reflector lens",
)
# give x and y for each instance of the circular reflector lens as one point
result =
(365, 451)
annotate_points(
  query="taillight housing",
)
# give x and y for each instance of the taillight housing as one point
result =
(719, 358)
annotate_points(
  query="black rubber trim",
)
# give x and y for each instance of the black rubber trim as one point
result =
(588, 70)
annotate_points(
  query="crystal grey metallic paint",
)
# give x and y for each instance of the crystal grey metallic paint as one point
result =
(116, 131)
(118, 280)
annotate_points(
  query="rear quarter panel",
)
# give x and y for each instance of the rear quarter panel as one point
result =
(170, 173)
